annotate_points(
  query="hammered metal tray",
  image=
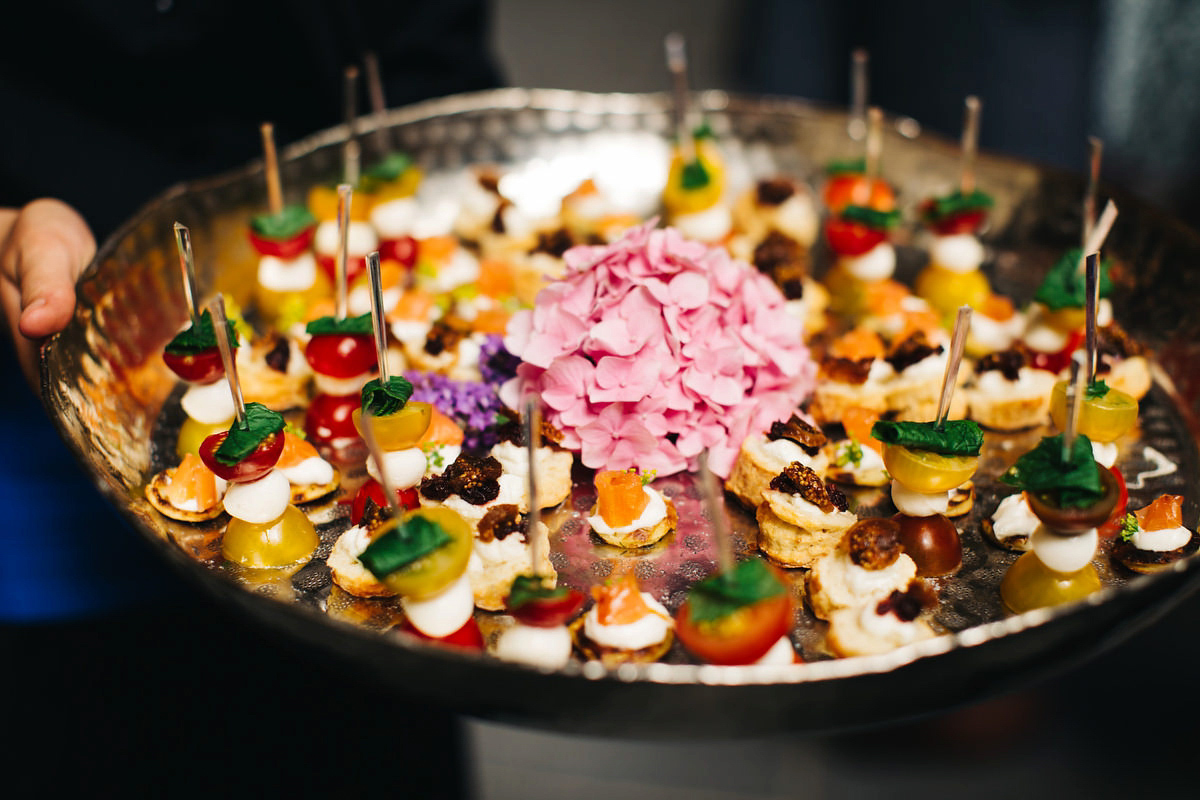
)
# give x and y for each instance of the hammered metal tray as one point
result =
(117, 407)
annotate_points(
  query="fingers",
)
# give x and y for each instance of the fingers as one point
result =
(44, 247)
(47, 248)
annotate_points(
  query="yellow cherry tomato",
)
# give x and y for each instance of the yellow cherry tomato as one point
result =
(433, 572)
(400, 430)
(679, 200)
(323, 203)
(1030, 584)
(925, 471)
(403, 186)
(284, 542)
(946, 289)
(1101, 419)
(1066, 320)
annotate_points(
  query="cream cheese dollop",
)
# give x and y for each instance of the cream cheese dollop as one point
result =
(311, 471)
(394, 218)
(645, 632)
(1161, 541)
(1013, 517)
(360, 238)
(888, 627)
(654, 513)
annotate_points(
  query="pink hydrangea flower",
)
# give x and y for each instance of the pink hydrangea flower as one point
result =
(655, 348)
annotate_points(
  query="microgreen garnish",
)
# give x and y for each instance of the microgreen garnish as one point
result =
(1129, 527)
(851, 453)
(241, 441)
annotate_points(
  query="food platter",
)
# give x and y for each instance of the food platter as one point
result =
(112, 399)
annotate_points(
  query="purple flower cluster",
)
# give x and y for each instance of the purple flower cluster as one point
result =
(471, 404)
(496, 364)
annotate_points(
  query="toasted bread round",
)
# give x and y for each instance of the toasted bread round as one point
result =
(1147, 562)
(156, 494)
(642, 537)
(309, 493)
(962, 500)
(612, 657)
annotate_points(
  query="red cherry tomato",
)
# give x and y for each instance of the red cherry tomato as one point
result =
(468, 636)
(849, 238)
(372, 490)
(1113, 525)
(329, 418)
(355, 266)
(403, 250)
(546, 612)
(286, 249)
(743, 637)
(341, 355)
(966, 222)
(1057, 362)
(202, 367)
(252, 467)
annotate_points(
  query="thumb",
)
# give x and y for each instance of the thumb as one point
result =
(48, 248)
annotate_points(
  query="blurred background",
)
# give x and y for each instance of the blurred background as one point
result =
(168, 698)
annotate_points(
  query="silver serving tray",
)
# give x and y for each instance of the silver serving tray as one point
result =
(114, 402)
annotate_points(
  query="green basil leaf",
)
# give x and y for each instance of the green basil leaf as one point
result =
(846, 166)
(200, 336)
(957, 437)
(383, 399)
(1076, 482)
(528, 588)
(724, 593)
(393, 165)
(955, 203)
(872, 218)
(703, 131)
(351, 326)
(694, 176)
(1065, 285)
(1096, 389)
(284, 224)
(408, 541)
(240, 442)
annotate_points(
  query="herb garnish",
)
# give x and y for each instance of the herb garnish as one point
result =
(1065, 285)
(530, 588)
(241, 441)
(382, 399)
(1075, 483)
(937, 209)
(353, 326)
(200, 336)
(694, 176)
(957, 437)
(284, 224)
(724, 593)
(1096, 389)
(871, 217)
(390, 168)
(1129, 527)
(410, 539)
(846, 166)
(850, 454)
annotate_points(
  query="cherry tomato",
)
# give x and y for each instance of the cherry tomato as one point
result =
(330, 417)
(947, 290)
(1113, 524)
(679, 200)
(1077, 520)
(433, 572)
(1057, 362)
(848, 189)
(260, 461)
(403, 250)
(400, 430)
(546, 612)
(1030, 584)
(850, 238)
(373, 490)
(287, 249)
(341, 355)
(289, 540)
(468, 636)
(742, 637)
(966, 222)
(202, 367)
(1101, 419)
(925, 471)
(355, 266)
(931, 542)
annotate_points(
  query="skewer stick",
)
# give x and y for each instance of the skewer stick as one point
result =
(710, 493)
(377, 315)
(970, 143)
(221, 329)
(1075, 391)
(187, 265)
(375, 95)
(962, 325)
(368, 433)
(865, 190)
(1099, 232)
(857, 126)
(533, 428)
(351, 153)
(1095, 151)
(677, 64)
(1092, 276)
(345, 198)
(274, 185)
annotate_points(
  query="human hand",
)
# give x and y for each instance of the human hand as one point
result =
(44, 247)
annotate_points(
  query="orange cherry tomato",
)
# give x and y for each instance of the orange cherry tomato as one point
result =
(851, 189)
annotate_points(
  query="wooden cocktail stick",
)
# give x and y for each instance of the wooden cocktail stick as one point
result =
(864, 191)
(1092, 284)
(351, 152)
(857, 126)
(378, 320)
(221, 329)
(1075, 392)
(345, 198)
(962, 326)
(533, 431)
(1095, 151)
(187, 266)
(970, 143)
(271, 160)
(710, 492)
